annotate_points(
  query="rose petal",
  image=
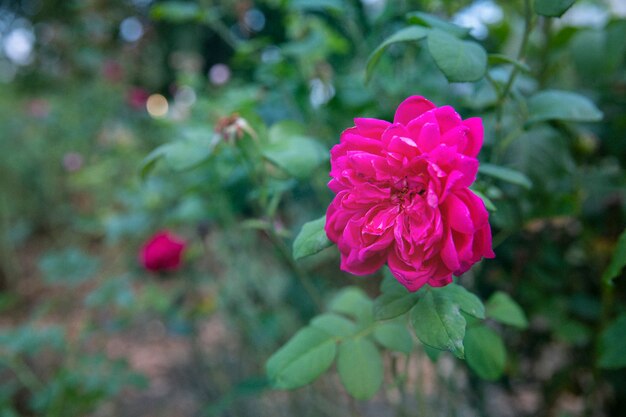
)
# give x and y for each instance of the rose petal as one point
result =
(474, 136)
(411, 108)
(371, 128)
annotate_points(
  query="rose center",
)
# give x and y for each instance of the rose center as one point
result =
(404, 192)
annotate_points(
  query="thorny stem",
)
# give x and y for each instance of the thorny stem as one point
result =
(528, 20)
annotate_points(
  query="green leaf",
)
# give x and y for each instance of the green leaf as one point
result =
(411, 33)
(304, 358)
(438, 322)
(485, 352)
(572, 332)
(150, 161)
(589, 53)
(428, 20)
(394, 336)
(467, 301)
(618, 261)
(393, 304)
(562, 105)
(360, 368)
(495, 59)
(197, 144)
(186, 154)
(613, 345)
(29, 339)
(552, 8)
(353, 302)
(505, 174)
(501, 307)
(175, 11)
(311, 239)
(460, 61)
(334, 324)
(331, 5)
(291, 150)
(390, 284)
(69, 266)
(432, 353)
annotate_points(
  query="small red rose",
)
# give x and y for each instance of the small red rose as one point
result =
(162, 252)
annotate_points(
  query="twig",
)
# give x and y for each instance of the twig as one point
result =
(528, 20)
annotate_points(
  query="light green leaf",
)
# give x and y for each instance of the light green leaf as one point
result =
(331, 5)
(428, 20)
(285, 129)
(618, 261)
(392, 304)
(176, 11)
(195, 147)
(150, 161)
(411, 33)
(304, 358)
(495, 59)
(613, 345)
(552, 8)
(394, 336)
(460, 61)
(353, 302)
(505, 174)
(485, 352)
(291, 150)
(70, 266)
(438, 322)
(334, 324)
(501, 307)
(360, 368)
(562, 105)
(467, 301)
(186, 154)
(311, 239)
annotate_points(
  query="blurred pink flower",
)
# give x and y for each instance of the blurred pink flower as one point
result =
(112, 71)
(38, 108)
(402, 195)
(162, 252)
(72, 161)
(137, 97)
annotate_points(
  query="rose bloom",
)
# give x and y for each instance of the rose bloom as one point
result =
(137, 97)
(402, 195)
(162, 252)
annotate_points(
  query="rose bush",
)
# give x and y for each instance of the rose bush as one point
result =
(162, 252)
(402, 195)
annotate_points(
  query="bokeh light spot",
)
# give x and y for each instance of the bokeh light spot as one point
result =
(157, 105)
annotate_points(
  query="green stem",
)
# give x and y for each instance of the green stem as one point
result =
(8, 268)
(546, 26)
(528, 20)
(24, 374)
(302, 276)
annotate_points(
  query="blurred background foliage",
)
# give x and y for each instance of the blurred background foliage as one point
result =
(213, 118)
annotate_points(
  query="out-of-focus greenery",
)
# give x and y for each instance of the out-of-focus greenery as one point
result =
(257, 93)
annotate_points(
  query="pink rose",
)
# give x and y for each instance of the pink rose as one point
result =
(137, 97)
(163, 252)
(402, 195)
(112, 71)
